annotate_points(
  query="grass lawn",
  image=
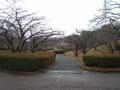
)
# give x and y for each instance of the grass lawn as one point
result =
(98, 52)
(70, 54)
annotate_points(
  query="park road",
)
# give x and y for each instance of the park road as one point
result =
(65, 64)
(59, 81)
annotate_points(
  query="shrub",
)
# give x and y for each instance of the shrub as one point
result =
(102, 61)
(3, 49)
(59, 51)
(26, 61)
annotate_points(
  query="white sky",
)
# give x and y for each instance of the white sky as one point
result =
(65, 15)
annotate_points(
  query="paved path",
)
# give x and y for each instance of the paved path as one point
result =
(60, 81)
(66, 64)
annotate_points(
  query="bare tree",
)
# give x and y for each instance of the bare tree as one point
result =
(86, 39)
(18, 27)
(74, 42)
(37, 41)
(110, 14)
(109, 21)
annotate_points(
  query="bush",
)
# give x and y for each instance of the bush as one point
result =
(102, 61)
(59, 51)
(3, 49)
(26, 61)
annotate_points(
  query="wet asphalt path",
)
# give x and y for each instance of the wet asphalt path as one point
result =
(64, 63)
(60, 81)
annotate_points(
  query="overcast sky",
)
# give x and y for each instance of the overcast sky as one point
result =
(65, 15)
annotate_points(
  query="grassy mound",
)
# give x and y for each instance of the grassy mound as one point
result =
(26, 61)
(102, 61)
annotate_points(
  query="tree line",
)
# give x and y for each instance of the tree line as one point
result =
(105, 30)
(20, 30)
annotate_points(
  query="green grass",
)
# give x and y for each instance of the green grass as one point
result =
(26, 61)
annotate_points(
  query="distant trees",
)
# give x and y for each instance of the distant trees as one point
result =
(107, 31)
(19, 27)
(114, 35)
(74, 42)
(80, 41)
(86, 40)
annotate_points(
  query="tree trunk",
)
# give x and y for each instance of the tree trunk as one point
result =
(111, 50)
(84, 51)
(76, 52)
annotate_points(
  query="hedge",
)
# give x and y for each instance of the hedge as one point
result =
(26, 62)
(102, 61)
(59, 51)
